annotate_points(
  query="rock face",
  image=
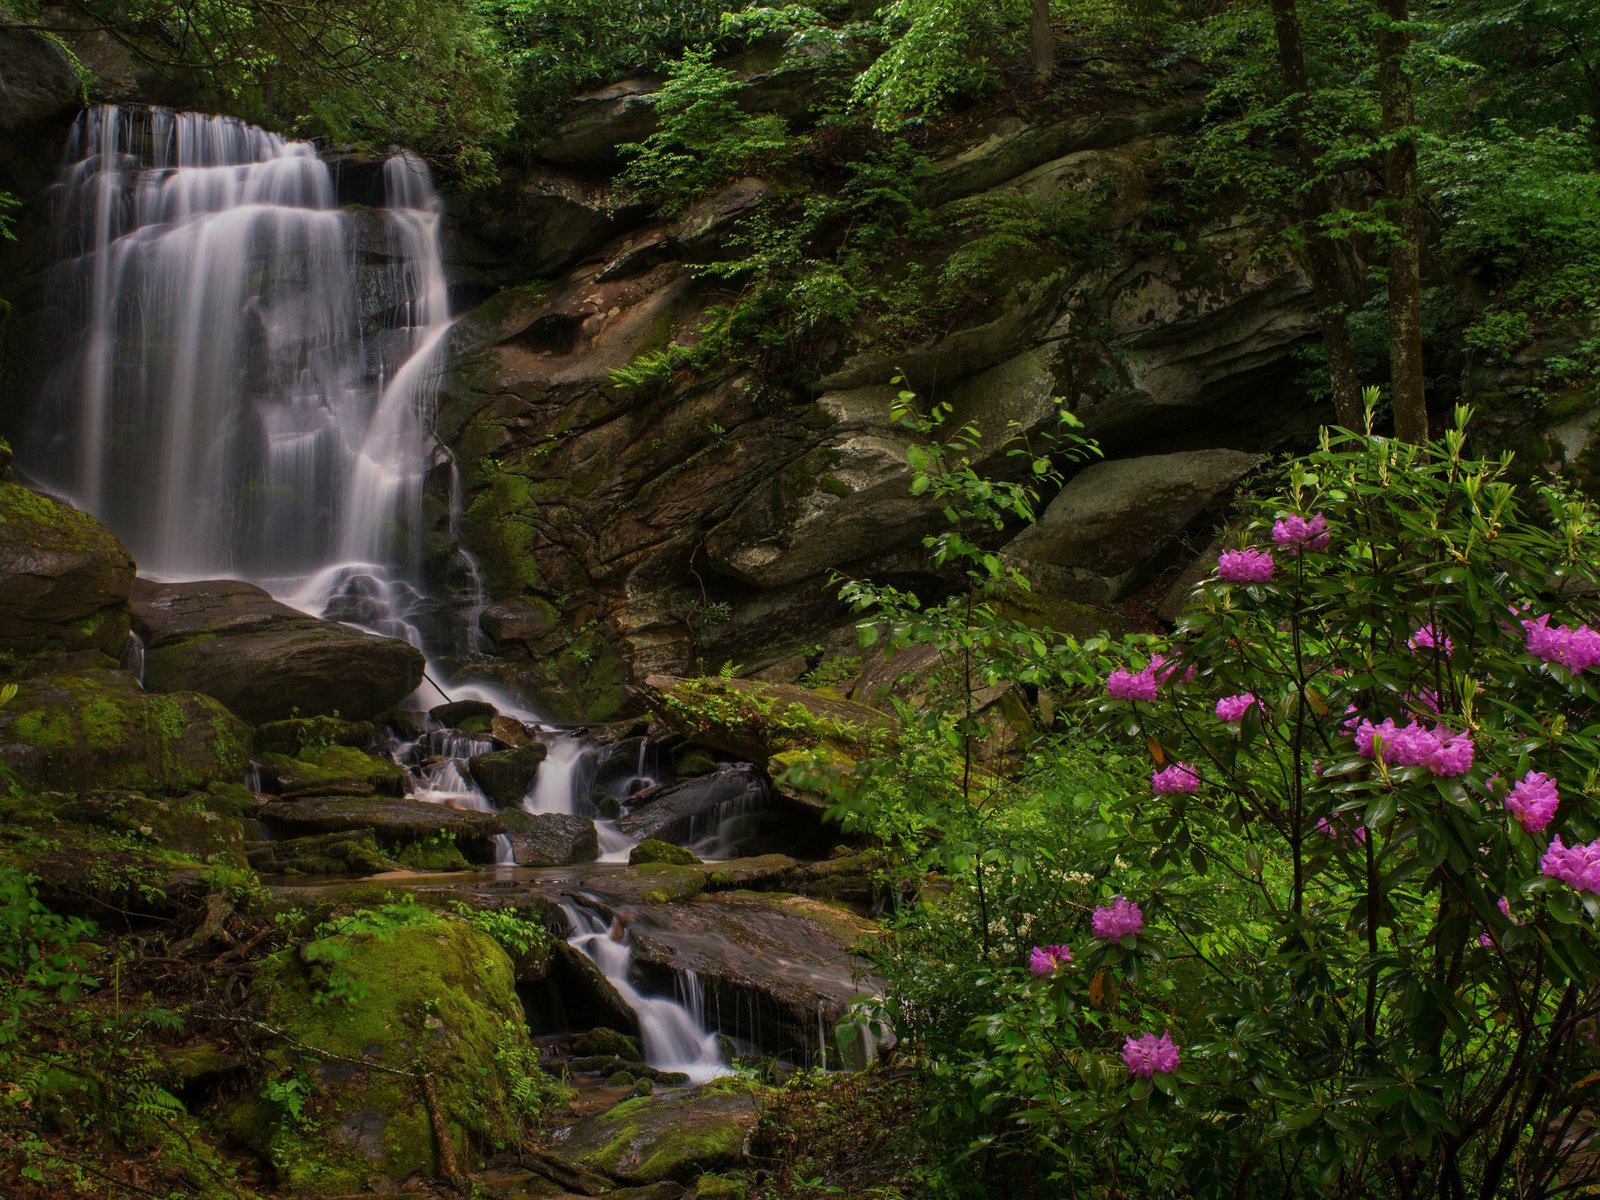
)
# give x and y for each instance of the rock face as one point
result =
(550, 839)
(670, 526)
(64, 578)
(263, 659)
(1108, 526)
(692, 809)
(98, 728)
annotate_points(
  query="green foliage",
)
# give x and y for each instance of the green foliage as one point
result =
(336, 941)
(556, 48)
(1322, 933)
(702, 138)
(41, 957)
(517, 933)
(8, 207)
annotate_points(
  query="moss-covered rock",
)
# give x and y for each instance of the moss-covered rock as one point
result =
(550, 839)
(650, 1139)
(385, 999)
(394, 822)
(506, 775)
(99, 729)
(754, 720)
(344, 852)
(299, 734)
(694, 761)
(603, 1041)
(331, 771)
(654, 850)
(64, 579)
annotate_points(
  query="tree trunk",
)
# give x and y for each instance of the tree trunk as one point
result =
(1322, 261)
(1042, 41)
(1405, 249)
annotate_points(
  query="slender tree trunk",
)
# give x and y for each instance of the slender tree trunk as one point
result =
(1042, 41)
(1405, 251)
(1322, 260)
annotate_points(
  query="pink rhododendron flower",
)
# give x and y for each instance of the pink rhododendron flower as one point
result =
(1576, 866)
(1296, 533)
(1533, 801)
(1245, 566)
(1131, 685)
(1045, 959)
(1424, 701)
(1121, 917)
(1178, 778)
(1576, 649)
(1444, 753)
(1148, 1056)
(1233, 708)
(1485, 940)
(1505, 907)
(1429, 638)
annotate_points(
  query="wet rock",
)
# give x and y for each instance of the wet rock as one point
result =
(654, 850)
(511, 732)
(1100, 537)
(98, 728)
(550, 839)
(691, 808)
(506, 775)
(64, 577)
(587, 995)
(786, 967)
(267, 661)
(310, 733)
(651, 1139)
(393, 822)
(473, 716)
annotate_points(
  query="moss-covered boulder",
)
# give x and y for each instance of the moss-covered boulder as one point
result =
(64, 579)
(506, 775)
(343, 852)
(99, 729)
(392, 1003)
(654, 850)
(298, 734)
(263, 659)
(330, 771)
(753, 720)
(650, 1139)
(394, 822)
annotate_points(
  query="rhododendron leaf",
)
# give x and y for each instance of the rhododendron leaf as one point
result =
(1141, 1089)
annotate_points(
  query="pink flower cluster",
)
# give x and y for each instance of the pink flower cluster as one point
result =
(1045, 959)
(1533, 801)
(1429, 638)
(1233, 708)
(1295, 533)
(1178, 779)
(1123, 684)
(1576, 866)
(1150, 1055)
(1415, 745)
(1505, 907)
(1117, 920)
(1575, 649)
(1245, 566)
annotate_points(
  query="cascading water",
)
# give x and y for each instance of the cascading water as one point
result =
(251, 370)
(674, 1039)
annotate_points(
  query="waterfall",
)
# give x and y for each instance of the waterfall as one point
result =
(675, 1039)
(248, 372)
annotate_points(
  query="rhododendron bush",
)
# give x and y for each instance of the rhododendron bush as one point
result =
(1332, 930)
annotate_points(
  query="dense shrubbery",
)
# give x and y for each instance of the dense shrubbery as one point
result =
(1351, 878)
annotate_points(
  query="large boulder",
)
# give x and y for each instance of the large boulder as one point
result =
(506, 775)
(37, 82)
(550, 839)
(98, 729)
(1100, 537)
(653, 1139)
(399, 1025)
(64, 578)
(263, 659)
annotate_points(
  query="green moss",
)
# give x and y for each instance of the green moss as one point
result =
(498, 524)
(396, 988)
(666, 882)
(310, 733)
(654, 850)
(334, 769)
(434, 854)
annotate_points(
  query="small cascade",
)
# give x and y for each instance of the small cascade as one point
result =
(674, 1038)
(723, 832)
(437, 763)
(503, 856)
(553, 787)
(133, 656)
